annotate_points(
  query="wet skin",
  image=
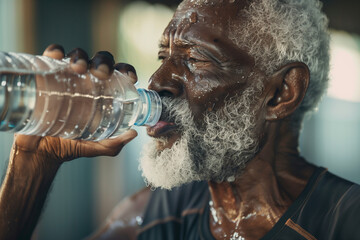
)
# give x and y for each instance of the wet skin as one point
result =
(202, 65)
(199, 64)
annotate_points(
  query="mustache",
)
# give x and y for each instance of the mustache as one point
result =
(166, 110)
(174, 110)
(178, 111)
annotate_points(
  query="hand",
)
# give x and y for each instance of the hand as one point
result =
(35, 160)
(59, 149)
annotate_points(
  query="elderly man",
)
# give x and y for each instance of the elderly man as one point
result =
(237, 78)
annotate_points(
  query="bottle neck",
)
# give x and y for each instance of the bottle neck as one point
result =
(151, 107)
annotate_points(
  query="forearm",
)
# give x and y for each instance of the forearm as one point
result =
(23, 193)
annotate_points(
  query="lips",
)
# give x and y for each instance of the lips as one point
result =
(161, 128)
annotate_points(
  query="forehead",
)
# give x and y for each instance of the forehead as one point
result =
(212, 11)
(201, 18)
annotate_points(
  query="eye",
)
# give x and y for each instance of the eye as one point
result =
(196, 64)
(194, 60)
(162, 55)
(198, 61)
(161, 58)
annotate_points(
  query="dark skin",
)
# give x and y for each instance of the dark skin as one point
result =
(206, 65)
(201, 64)
(34, 161)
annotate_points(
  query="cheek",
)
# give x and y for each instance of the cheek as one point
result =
(260, 119)
(201, 89)
(207, 99)
(207, 90)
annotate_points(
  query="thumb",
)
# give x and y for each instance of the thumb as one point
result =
(108, 147)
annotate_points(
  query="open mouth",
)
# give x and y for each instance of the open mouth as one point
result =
(161, 128)
(164, 127)
(168, 125)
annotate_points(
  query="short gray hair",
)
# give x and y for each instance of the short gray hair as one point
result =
(277, 32)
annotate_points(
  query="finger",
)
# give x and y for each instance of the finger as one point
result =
(55, 51)
(127, 69)
(122, 139)
(78, 60)
(102, 65)
(108, 147)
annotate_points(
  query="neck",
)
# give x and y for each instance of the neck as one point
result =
(251, 205)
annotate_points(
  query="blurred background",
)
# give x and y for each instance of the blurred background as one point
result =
(86, 190)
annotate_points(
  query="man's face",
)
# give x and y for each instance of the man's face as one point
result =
(201, 70)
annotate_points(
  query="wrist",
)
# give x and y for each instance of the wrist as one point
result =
(32, 163)
(24, 191)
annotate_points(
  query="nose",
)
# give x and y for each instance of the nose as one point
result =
(166, 81)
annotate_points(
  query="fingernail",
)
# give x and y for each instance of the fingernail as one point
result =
(104, 68)
(107, 54)
(103, 57)
(77, 54)
(54, 47)
(125, 68)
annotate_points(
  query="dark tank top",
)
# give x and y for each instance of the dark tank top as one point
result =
(328, 208)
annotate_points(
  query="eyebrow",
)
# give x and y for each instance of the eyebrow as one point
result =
(164, 43)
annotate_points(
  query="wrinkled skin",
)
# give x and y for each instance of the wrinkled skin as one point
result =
(202, 65)
(199, 64)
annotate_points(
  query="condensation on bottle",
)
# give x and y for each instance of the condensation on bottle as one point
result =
(45, 97)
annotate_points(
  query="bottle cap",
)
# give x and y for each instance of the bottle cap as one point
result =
(152, 107)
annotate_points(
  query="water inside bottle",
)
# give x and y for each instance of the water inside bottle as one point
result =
(63, 104)
(17, 100)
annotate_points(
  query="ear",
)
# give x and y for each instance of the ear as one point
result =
(286, 90)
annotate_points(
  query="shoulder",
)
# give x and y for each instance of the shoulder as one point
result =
(347, 212)
(343, 195)
(331, 190)
(336, 194)
(332, 209)
(125, 219)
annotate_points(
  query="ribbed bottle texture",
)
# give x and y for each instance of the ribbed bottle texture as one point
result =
(42, 96)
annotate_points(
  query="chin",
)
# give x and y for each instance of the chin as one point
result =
(182, 152)
(166, 163)
(166, 142)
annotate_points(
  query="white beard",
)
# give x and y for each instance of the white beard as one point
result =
(218, 152)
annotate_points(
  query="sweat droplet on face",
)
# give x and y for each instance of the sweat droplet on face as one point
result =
(193, 17)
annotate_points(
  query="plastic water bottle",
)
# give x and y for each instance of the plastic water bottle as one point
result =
(45, 97)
